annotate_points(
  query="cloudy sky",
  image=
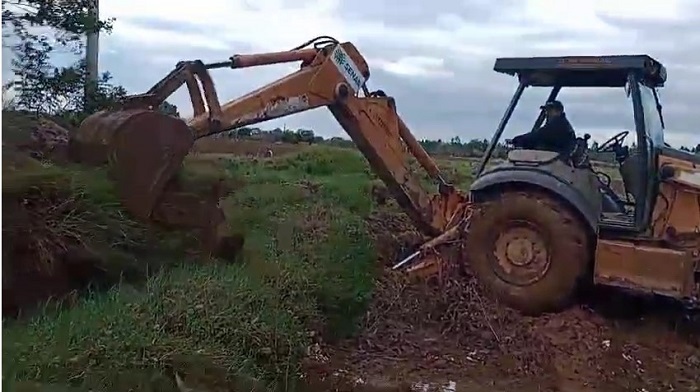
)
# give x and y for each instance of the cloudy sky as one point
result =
(436, 58)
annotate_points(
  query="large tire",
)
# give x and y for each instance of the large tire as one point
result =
(529, 250)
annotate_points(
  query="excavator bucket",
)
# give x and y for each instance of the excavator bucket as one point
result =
(145, 150)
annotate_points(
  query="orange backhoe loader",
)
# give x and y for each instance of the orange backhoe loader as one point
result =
(533, 227)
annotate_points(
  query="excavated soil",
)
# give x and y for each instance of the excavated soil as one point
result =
(51, 252)
(44, 256)
(419, 336)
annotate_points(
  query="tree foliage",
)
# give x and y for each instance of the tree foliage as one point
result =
(39, 29)
(70, 19)
(169, 109)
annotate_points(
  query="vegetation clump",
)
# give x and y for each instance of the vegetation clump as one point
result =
(306, 273)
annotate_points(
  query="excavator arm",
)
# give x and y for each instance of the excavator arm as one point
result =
(331, 75)
(334, 76)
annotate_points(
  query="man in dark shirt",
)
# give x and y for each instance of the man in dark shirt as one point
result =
(556, 135)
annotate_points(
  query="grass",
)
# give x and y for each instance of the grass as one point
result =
(46, 207)
(308, 265)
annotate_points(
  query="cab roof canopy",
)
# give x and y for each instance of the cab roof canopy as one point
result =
(582, 71)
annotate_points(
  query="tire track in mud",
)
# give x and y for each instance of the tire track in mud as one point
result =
(416, 333)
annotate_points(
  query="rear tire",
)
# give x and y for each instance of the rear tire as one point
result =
(529, 250)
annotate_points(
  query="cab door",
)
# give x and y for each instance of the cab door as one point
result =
(650, 138)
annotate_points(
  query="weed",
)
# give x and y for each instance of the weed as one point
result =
(308, 265)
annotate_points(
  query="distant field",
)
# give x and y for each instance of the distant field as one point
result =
(244, 147)
(459, 170)
(259, 147)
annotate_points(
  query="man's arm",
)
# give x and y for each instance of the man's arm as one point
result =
(531, 138)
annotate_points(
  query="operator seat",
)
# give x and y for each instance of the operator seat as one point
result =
(631, 171)
(580, 159)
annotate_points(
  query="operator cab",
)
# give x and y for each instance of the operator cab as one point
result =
(638, 77)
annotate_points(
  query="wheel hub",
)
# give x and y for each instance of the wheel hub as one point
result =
(520, 252)
(521, 256)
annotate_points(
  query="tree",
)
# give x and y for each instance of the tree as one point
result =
(244, 132)
(305, 135)
(169, 109)
(69, 19)
(290, 137)
(41, 87)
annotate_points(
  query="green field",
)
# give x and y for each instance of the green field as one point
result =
(308, 265)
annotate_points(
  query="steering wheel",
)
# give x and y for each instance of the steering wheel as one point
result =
(613, 142)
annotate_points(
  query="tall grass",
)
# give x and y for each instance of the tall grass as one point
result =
(307, 267)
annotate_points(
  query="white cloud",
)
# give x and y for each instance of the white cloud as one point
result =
(266, 25)
(149, 37)
(441, 53)
(670, 10)
(416, 66)
(578, 16)
(585, 16)
(272, 25)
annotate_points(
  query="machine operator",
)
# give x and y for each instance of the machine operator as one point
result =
(556, 135)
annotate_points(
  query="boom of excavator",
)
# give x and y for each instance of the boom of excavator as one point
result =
(145, 149)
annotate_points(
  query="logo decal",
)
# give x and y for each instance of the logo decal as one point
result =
(348, 68)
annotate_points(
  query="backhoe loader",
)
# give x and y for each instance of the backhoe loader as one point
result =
(548, 221)
(532, 228)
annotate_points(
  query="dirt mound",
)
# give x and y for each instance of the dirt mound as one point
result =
(452, 332)
(44, 255)
(37, 137)
(394, 235)
(423, 332)
(45, 220)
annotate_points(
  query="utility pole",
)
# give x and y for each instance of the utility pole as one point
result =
(92, 55)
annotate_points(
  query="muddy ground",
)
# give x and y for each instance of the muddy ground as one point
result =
(451, 335)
